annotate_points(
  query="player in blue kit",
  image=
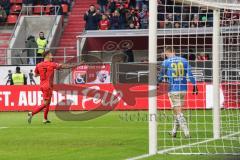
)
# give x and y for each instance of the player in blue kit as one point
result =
(177, 70)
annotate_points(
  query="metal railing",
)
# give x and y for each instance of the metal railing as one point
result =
(19, 55)
(27, 11)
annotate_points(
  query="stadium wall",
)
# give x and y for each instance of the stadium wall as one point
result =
(110, 97)
(32, 25)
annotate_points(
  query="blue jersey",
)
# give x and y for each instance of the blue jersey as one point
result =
(177, 71)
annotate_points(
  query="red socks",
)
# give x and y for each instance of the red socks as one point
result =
(46, 112)
(38, 109)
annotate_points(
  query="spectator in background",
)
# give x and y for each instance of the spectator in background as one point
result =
(3, 15)
(31, 78)
(67, 2)
(6, 5)
(19, 78)
(31, 53)
(112, 6)
(104, 24)
(193, 25)
(202, 57)
(177, 17)
(195, 20)
(129, 53)
(133, 19)
(123, 21)
(177, 25)
(139, 3)
(204, 20)
(99, 15)
(132, 4)
(143, 15)
(103, 5)
(27, 7)
(169, 21)
(42, 44)
(9, 78)
(185, 20)
(192, 57)
(115, 20)
(108, 14)
(91, 18)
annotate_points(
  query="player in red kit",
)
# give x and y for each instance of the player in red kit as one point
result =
(45, 70)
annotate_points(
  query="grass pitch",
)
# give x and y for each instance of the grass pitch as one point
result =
(116, 135)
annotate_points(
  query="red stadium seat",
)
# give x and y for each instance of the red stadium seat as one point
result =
(38, 9)
(65, 8)
(12, 19)
(15, 8)
(16, 1)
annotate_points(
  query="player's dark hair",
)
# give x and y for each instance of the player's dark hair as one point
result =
(169, 49)
(17, 69)
(46, 53)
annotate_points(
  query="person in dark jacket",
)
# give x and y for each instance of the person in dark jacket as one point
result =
(123, 20)
(91, 18)
(6, 5)
(31, 53)
(115, 20)
(112, 6)
(103, 5)
(3, 14)
(129, 53)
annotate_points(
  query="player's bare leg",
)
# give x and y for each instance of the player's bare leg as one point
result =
(182, 121)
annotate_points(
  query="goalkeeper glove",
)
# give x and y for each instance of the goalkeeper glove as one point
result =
(195, 90)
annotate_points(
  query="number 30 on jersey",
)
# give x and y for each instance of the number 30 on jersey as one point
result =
(178, 69)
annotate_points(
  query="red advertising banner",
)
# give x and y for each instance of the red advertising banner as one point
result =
(92, 74)
(106, 97)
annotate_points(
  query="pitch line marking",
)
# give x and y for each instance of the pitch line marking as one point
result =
(181, 147)
(3, 127)
(71, 127)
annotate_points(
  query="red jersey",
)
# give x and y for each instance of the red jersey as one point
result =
(104, 24)
(46, 71)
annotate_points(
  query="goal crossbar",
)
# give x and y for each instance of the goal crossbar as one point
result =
(212, 5)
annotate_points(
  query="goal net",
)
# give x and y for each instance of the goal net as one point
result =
(190, 28)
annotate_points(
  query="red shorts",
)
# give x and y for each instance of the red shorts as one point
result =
(47, 93)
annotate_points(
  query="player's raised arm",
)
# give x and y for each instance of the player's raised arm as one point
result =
(68, 66)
